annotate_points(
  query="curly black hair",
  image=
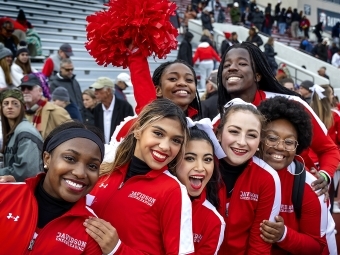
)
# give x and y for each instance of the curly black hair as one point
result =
(283, 108)
(259, 64)
(156, 79)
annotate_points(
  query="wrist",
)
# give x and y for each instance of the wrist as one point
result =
(324, 176)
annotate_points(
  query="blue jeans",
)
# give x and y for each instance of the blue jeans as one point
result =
(267, 31)
(282, 28)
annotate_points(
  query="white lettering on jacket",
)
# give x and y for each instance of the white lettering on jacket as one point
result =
(70, 241)
(246, 195)
(287, 208)
(102, 185)
(143, 198)
(12, 217)
(197, 237)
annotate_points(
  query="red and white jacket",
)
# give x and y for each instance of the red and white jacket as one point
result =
(208, 226)
(322, 144)
(205, 52)
(306, 236)
(255, 197)
(19, 217)
(152, 213)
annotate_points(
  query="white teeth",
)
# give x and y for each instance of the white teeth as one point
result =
(231, 79)
(158, 155)
(196, 177)
(73, 184)
(182, 92)
(277, 156)
(240, 151)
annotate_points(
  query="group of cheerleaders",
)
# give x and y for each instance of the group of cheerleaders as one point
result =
(179, 184)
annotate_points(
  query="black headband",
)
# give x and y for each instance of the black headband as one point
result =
(71, 133)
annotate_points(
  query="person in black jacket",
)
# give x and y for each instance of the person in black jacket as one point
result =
(185, 49)
(111, 110)
(254, 37)
(206, 19)
(270, 54)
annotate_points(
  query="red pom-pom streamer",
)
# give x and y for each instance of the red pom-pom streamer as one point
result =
(144, 23)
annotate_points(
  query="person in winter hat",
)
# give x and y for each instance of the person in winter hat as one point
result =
(5, 69)
(61, 98)
(22, 64)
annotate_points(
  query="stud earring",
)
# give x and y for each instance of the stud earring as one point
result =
(45, 166)
(258, 149)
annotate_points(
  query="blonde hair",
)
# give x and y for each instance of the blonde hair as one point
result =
(155, 111)
(7, 71)
(323, 107)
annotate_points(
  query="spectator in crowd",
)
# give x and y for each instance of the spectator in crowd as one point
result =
(257, 18)
(52, 63)
(281, 21)
(57, 198)
(254, 37)
(65, 78)
(110, 111)
(288, 83)
(220, 12)
(268, 8)
(318, 30)
(188, 15)
(235, 14)
(252, 6)
(289, 15)
(185, 48)
(294, 28)
(206, 55)
(335, 33)
(230, 40)
(305, 25)
(267, 23)
(306, 45)
(122, 81)
(208, 37)
(245, 17)
(322, 72)
(336, 59)
(21, 65)
(333, 49)
(22, 144)
(45, 116)
(9, 40)
(90, 102)
(209, 105)
(270, 54)
(234, 38)
(5, 69)
(277, 11)
(304, 90)
(321, 50)
(61, 98)
(282, 72)
(206, 19)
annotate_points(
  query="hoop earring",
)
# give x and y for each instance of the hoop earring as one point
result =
(303, 168)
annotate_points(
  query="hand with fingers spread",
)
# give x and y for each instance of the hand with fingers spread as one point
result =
(321, 184)
(271, 232)
(7, 178)
(103, 232)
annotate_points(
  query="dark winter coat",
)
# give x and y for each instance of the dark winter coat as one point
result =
(206, 21)
(255, 39)
(270, 54)
(209, 106)
(185, 49)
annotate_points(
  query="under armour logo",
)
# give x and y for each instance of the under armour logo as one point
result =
(12, 217)
(102, 185)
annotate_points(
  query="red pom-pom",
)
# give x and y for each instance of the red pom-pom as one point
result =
(145, 24)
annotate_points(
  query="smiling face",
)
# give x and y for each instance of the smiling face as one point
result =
(240, 137)
(196, 168)
(159, 143)
(277, 157)
(178, 85)
(73, 169)
(237, 74)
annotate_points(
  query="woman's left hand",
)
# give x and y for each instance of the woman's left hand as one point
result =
(7, 178)
(320, 184)
(102, 231)
(271, 232)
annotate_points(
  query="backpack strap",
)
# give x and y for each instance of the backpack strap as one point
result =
(298, 188)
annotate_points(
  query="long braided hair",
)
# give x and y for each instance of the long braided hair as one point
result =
(259, 64)
(156, 79)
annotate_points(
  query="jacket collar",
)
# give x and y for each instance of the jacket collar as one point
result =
(152, 174)
(259, 97)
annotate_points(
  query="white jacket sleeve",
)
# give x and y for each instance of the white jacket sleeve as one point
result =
(3, 83)
(17, 74)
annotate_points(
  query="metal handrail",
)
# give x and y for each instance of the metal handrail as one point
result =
(296, 72)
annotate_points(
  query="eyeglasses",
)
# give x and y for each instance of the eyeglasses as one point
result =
(68, 69)
(274, 140)
(23, 88)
